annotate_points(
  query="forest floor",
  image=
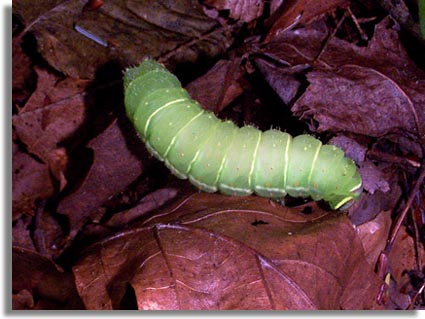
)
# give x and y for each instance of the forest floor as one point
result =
(98, 223)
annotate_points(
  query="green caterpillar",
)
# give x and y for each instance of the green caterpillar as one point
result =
(217, 155)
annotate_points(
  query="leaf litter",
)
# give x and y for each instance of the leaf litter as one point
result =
(95, 215)
(198, 255)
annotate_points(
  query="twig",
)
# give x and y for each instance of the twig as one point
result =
(403, 214)
(392, 158)
(192, 42)
(412, 303)
(418, 250)
(363, 35)
(330, 36)
(382, 266)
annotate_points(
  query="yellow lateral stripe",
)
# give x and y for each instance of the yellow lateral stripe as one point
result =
(184, 126)
(357, 187)
(286, 163)
(224, 157)
(254, 157)
(316, 155)
(343, 201)
(158, 110)
(201, 145)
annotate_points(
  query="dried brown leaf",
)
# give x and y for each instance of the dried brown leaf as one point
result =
(373, 178)
(403, 262)
(374, 235)
(21, 233)
(239, 10)
(356, 99)
(23, 300)
(23, 76)
(301, 12)
(373, 90)
(402, 257)
(39, 284)
(53, 113)
(114, 167)
(31, 181)
(77, 42)
(218, 252)
(218, 87)
(282, 79)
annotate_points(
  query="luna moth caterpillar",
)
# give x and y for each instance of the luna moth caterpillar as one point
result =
(216, 155)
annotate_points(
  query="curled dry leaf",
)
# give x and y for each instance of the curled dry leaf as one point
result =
(218, 252)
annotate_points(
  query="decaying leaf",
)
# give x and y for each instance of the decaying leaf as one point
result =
(23, 75)
(373, 90)
(239, 10)
(38, 284)
(375, 103)
(282, 79)
(231, 253)
(218, 87)
(114, 167)
(54, 112)
(374, 235)
(31, 182)
(301, 12)
(77, 42)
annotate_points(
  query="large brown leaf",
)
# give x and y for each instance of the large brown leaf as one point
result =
(77, 40)
(218, 252)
